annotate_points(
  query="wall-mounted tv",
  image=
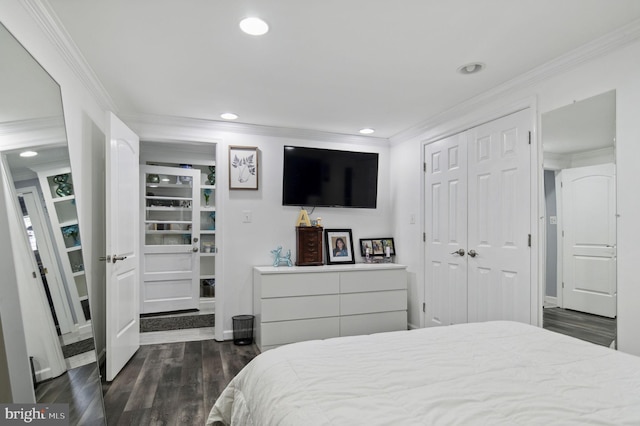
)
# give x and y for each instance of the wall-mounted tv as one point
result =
(315, 177)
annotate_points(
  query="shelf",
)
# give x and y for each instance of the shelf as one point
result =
(202, 254)
(206, 186)
(78, 274)
(68, 223)
(166, 198)
(168, 185)
(168, 231)
(207, 231)
(168, 209)
(181, 222)
(207, 277)
(208, 209)
(67, 198)
(74, 248)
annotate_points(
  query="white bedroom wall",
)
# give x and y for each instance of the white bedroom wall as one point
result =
(245, 245)
(615, 70)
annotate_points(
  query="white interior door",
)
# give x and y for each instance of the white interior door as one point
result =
(446, 230)
(171, 234)
(477, 199)
(500, 220)
(589, 243)
(123, 282)
(50, 269)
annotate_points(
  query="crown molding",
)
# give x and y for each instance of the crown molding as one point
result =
(48, 21)
(153, 127)
(46, 131)
(606, 44)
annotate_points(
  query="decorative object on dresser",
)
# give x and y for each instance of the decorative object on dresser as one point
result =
(339, 246)
(279, 259)
(303, 218)
(243, 167)
(378, 247)
(309, 246)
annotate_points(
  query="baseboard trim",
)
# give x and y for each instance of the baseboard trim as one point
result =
(550, 302)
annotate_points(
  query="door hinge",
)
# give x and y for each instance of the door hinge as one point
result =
(562, 284)
(33, 274)
(529, 240)
(562, 234)
(529, 138)
(424, 167)
(424, 307)
(424, 237)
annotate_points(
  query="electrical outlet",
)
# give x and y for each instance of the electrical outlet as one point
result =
(246, 216)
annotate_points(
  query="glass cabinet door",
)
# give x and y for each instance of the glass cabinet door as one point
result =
(169, 217)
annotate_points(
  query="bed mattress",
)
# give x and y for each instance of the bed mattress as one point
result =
(497, 373)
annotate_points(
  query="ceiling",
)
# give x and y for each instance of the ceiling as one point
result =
(330, 65)
(582, 126)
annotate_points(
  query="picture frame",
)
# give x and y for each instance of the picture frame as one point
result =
(243, 167)
(377, 246)
(338, 245)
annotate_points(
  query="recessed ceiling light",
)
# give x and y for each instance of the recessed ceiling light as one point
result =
(254, 26)
(229, 116)
(28, 154)
(367, 131)
(471, 68)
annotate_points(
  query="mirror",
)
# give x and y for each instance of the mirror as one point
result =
(580, 200)
(54, 298)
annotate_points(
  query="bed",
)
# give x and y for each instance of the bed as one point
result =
(497, 373)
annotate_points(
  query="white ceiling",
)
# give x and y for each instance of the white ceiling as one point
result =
(330, 65)
(582, 126)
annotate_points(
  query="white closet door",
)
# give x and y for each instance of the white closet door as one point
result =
(499, 219)
(589, 244)
(446, 230)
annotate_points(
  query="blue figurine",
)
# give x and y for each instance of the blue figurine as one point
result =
(278, 258)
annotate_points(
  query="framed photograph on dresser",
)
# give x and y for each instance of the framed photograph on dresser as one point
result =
(339, 246)
(377, 246)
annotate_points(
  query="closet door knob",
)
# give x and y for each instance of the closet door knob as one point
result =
(473, 253)
(458, 252)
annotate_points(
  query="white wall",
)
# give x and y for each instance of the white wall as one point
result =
(245, 245)
(615, 71)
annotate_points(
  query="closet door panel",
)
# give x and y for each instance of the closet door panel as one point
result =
(499, 220)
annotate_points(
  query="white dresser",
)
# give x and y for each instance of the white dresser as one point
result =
(293, 304)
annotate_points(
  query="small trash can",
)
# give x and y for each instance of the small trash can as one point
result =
(243, 329)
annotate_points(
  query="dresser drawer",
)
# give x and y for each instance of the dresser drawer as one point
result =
(373, 323)
(378, 301)
(362, 281)
(282, 285)
(291, 308)
(280, 333)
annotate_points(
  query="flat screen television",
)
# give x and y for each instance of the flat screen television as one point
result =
(315, 177)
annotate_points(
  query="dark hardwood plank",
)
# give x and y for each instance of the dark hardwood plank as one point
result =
(592, 328)
(173, 384)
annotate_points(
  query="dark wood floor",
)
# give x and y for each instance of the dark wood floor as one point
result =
(173, 383)
(79, 387)
(592, 328)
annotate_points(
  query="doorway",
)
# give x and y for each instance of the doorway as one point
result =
(580, 219)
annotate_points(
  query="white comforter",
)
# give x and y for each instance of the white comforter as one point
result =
(484, 373)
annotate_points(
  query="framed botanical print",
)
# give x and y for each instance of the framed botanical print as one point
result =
(243, 167)
(338, 244)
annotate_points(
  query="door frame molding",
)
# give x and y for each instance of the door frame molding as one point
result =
(476, 118)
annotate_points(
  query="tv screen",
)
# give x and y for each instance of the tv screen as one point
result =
(329, 178)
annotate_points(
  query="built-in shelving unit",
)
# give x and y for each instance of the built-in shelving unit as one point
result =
(57, 189)
(170, 215)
